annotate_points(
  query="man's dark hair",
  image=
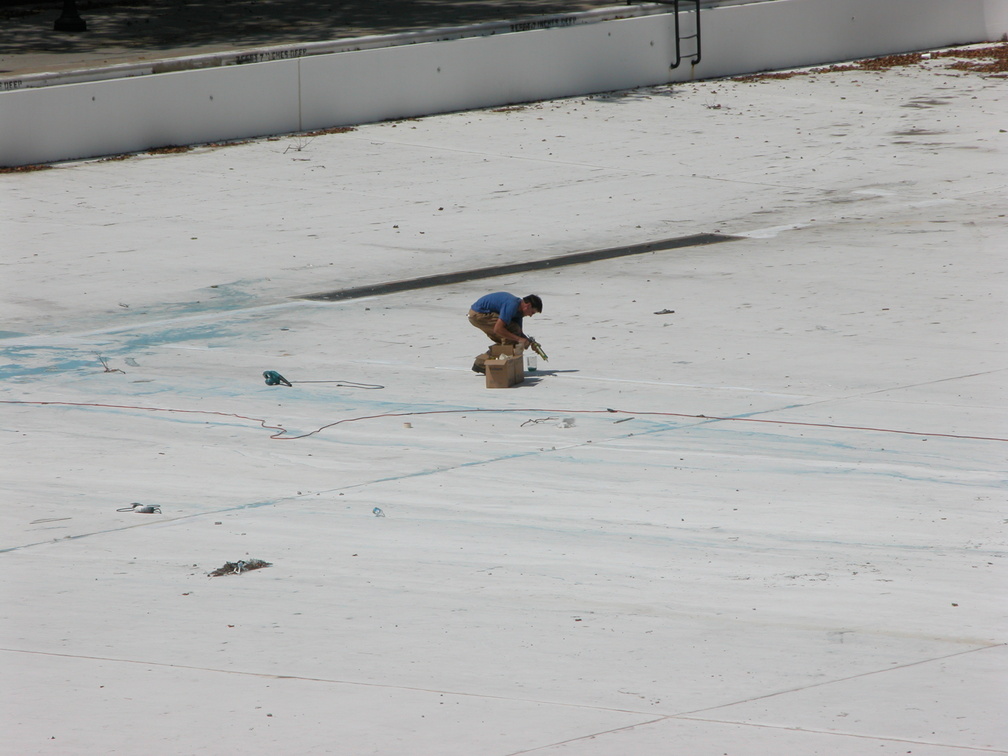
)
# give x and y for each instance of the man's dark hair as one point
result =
(533, 300)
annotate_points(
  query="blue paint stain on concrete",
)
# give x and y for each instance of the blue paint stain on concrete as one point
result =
(33, 362)
(18, 361)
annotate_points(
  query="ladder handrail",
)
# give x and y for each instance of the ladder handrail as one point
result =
(678, 33)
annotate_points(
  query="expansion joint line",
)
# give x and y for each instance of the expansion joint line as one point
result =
(689, 716)
(281, 433)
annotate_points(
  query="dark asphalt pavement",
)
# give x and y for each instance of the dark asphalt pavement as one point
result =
(126, 31)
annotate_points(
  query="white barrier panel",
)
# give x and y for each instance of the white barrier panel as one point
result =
(113, 116)
(996, 19)
(126, 115)
(440, 77)
(792, 33)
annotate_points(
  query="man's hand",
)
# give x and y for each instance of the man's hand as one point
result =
(537, 348)
(506, 335)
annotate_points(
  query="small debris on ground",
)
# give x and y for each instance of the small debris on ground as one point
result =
(989, 59)
(105, 365)
(537, 420)
(136, 506)
(237, 568)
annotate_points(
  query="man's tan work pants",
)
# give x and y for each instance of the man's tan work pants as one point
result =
(485, 321)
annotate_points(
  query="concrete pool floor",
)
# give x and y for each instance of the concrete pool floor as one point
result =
(753, 504)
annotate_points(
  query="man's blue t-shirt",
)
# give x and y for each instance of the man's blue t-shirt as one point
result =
(505, 305)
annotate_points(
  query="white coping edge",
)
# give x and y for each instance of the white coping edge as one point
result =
(399, 76)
